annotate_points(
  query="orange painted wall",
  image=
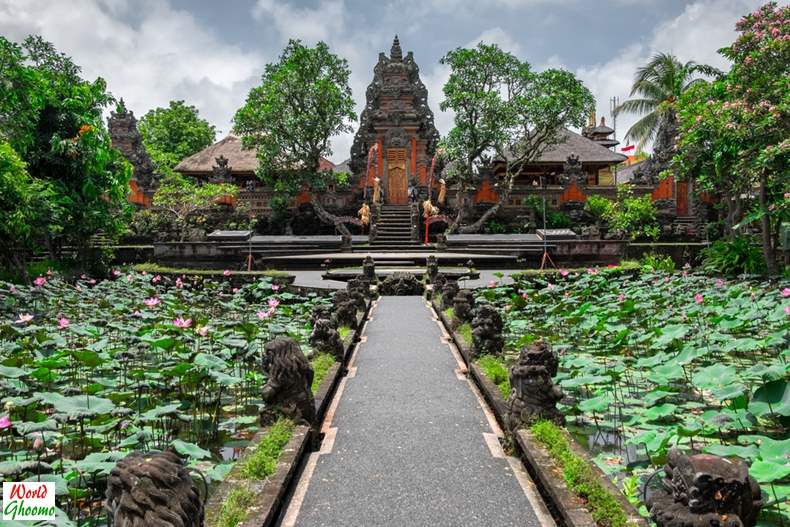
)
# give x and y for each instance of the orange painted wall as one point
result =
(137, 196)
(573, 193)
(486, 193)
(303, 197)
(665, 189)
(413, 171)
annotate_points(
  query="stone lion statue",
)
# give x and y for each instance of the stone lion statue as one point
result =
(487, 329)
(326, 339)
(153, 489)
(533, 394)
(288, 387)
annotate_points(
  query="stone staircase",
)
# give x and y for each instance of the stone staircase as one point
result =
(686, 224)
(394, 229)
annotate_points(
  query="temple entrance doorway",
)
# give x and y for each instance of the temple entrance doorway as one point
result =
(397, 193)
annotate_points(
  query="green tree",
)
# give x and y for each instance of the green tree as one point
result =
(173, 133)
(634, 217)
(57, 128)
(657, 87)
(303, 101)
(504, 109)
(183, 198)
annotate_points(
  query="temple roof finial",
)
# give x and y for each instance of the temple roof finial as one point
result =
(396, 53)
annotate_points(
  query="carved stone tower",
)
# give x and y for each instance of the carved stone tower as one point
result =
(398, 119)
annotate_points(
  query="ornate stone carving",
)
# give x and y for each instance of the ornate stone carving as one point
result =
(321, 311)
(431, 268)
(463, 304)
(437, 285)
(369, 268)
(288, 384)
(704, 490)
(345, 310)
(361, 285)
(401, 284)
(572, 172)
(126, 139)
(221, 171)
(533, 394)
(441, 242)
(449, 290)
(326, 339)
(396, 137)
(487, 329)
(153, 488)
(356, 291)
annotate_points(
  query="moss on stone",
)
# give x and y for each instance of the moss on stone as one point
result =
(321, 364)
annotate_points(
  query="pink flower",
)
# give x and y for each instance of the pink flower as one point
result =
(38, 443)
(5, 422)
(787, 310)
(263, 315)
(226, 272)
(12, 290)
(83, 276)
(275, 287)
(621, 297)
(564, 273)
(24, 318)
(63, 323)
(151, 302)
(273, 302)
(49, 272)
(179, 283)
(234, 290)
(92, 281)
(182, 323)
(698, 298)
(592, 271)
(786, 292)
(144, 273)
(719, 282)
(38, 282)
(130, 276)
(524, 296)
(136, 313)
(491, 284)
(550, 285)
(116, 272)
(155, 279)
(202, 330)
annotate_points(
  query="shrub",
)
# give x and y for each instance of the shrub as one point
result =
(263, 461)
(496, 370)
(733, 257)
(634, 217)
(657, 262)
(598, 207)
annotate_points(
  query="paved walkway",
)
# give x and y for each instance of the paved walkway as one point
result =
(407, 441)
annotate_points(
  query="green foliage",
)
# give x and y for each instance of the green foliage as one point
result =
(262, 463)
(235, 508)
(555, 219)
(465, 332)
(183, 198)
(174, 133)
(581, 479)
(657, 262)
(303, 101)
(734, 257)
(599, 207)
(634, 216)
(321, 364)
(495, 227)
(496, 370)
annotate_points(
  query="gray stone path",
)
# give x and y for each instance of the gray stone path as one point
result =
(409, 443)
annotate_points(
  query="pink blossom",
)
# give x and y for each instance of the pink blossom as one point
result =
(156, 279)
(5, 422)
(136, 313)
(524, 296)
(263, 315)
(226, 272)
(273, 302)
(590, 270)
(83, 276)
(24, 318)
(179, 283)
(182, 323)
(684, 274)
(92, 281)
(130, 277)
(12, 290)
(63, 322)
(144, 273)
(786, 292)
(49, 272)
(275, 287)
(38, 443)
(621, 298)
(116, 272)
(202, 330)
(234, 290)
(38, 282)
(550, 285)
(787, 310)
(491, 284)
(151, 302)
(698, 298)
(564, 273)
(719, 282)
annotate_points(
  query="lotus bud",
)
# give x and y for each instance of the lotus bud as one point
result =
(38, 443)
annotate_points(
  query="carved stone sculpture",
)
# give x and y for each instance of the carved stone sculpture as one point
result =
(153, 489)
(401, 284)
(449, 291)
(441, 241)
(437, 284)
(487, 329)
(369, 268)
(221, 171)
(321, 311)
(344, 310)
(533, 394)
(704, 490)
(356, 290)
(326, 339)
(288, 384)
(125, 137)
(572, 172)
(431, 268)
(463, 304)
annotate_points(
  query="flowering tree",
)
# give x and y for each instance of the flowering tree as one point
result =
(735, 133)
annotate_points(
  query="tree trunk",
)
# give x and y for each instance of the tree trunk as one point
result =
(765, 226)
(328, 218)
(476, 226)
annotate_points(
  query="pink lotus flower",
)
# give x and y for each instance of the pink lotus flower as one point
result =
(38, 443)
(63, 323)
(49, 272)
(698, 298)
(719, 283)
(524, 296)
(130, 277)
(226, 272)
(786, 292)
(550, 286)
(564, 273)
(92, 281)
(592, 271)
(275, 287)
(179, 283)
(136, 313)
(273, 302)
(156, 279)
(144, 273)
(202, 330)
(83, 276)
(491, 284)
(621, 298)
(787, 310)
(24, 318)
(182, 323)
(151, 302)
(38, 282)
(5, 422)
(116, 272)
(234, 290)
(263, 315)
(12, 290)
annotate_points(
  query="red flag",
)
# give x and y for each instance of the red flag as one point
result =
(627, 148)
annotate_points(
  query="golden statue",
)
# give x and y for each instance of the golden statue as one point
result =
(364, 214)
(376, 190)
(428, 209)
(442, 192)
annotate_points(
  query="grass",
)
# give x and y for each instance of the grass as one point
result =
(263, 461)
(624, 266)
(163, 269)
(344, 332)
(579, 477)
(449, 313)
(321, 364)
(495, 369)
(234, 508)
(465, 331)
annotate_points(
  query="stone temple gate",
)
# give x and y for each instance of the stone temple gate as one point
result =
(397, 119)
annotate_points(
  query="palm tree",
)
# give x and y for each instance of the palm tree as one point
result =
(659, 84)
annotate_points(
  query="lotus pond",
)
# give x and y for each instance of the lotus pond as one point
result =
(650, 361)
(94, 369)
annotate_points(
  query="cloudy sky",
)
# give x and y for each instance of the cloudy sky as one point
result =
(210, 53)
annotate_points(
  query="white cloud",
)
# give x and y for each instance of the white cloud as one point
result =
(311, 25)
(165, 55)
